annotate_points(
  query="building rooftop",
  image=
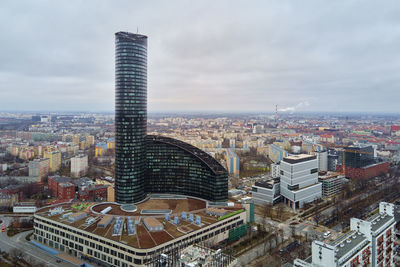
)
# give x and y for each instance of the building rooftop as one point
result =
(141, 238)
(330, 175)
(298, 158)
(379, 220)
(267, 183)
(348, 242)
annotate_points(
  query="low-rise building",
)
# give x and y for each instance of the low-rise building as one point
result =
(66, 191)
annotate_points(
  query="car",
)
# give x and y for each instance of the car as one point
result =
(58, 261)
(327, 234)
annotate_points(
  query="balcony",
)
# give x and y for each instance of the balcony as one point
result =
(380, 258)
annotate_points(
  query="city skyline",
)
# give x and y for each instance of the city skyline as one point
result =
(305, 58)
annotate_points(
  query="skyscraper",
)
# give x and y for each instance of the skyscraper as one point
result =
(130, 116)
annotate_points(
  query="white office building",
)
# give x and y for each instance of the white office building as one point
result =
(299, 180)
(266, 192)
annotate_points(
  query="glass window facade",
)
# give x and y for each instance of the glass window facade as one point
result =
(176, 167)
(130, 116)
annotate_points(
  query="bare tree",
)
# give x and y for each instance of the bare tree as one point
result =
(16, 255)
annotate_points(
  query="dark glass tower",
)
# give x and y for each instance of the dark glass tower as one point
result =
(130, 116)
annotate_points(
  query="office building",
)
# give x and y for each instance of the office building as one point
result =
(173, 166)
(266, 192)
(332, 183)
(55, 160)
(130, 116)
(39, 168)
(169, 165)
(299, 180)
(110, 236)
(79, 165)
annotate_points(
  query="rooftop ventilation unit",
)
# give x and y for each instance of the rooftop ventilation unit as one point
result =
(167, 217)
(56, 211)
(183, 215)
(176, 220)
(191, 218)
(106, 210)
(131, 227)
(198, 220)
(66, 215)
(117, 226)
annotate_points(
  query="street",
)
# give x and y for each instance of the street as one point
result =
(30, 251)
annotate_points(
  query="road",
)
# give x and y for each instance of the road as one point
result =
(30, 251)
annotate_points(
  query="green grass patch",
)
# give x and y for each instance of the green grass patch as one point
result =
(80, 206)
(230, 214)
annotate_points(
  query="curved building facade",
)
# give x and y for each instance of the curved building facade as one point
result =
(130, 116)
(176, 167)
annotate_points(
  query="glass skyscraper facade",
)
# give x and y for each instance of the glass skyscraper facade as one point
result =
(153, 164)
(176, 167)
(130, 116)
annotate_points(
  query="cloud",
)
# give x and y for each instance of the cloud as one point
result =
(204, 55)
(297, 107)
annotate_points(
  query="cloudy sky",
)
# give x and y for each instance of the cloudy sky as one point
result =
(212, 55)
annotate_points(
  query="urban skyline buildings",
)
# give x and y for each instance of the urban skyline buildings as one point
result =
(130, 116)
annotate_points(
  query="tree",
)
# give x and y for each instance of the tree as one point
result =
(16, 255)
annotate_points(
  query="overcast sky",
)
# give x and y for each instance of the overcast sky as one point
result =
(204, 55)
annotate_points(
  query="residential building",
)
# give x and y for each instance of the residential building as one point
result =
(79, 165)
(233, 163)
(380, 231)
(39, 167)
(54, 181)
(299, 180)
(8, 200)
(276, 153)
(66, 191)
(368, 243)
(55, 160)
(90, 140)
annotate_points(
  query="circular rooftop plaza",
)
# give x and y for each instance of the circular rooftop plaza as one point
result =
(159, 205)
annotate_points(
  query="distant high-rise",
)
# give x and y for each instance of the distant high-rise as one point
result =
(130, 116)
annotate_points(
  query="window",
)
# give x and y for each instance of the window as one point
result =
(314, 170)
